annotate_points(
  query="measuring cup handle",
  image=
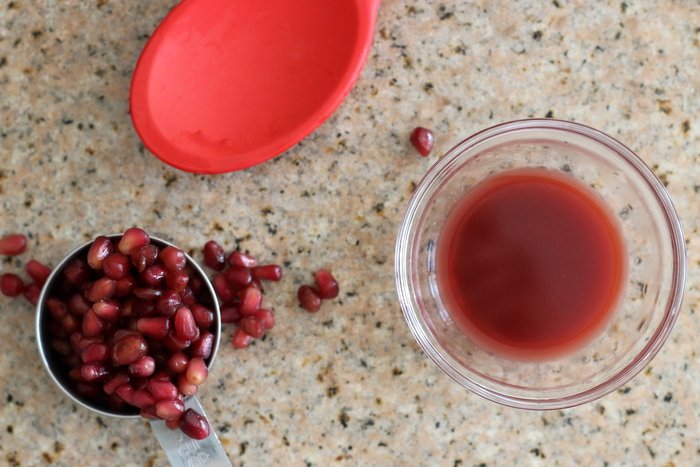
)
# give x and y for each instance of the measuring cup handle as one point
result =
(183, 451)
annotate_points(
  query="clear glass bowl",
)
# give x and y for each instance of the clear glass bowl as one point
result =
(656, 267)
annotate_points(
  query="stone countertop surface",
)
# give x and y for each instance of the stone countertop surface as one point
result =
(347, 386)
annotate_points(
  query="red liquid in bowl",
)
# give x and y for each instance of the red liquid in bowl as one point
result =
(531, 264)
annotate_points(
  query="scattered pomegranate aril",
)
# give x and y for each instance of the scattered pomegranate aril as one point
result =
(37, 271)
(94, 372)
(230, 314)
(76, 374)
(326, 284)
(241, 340)
(269, 272)
(13, 244)
(203, 316)
(223, 289)
(251, 326)
(266, 318)
(185, 387)
(101, 248)
(238, 277)
(97, 352)
(214, 256)
(168, 303)
(78, 305)
(128, 349)
(102, 289)
(173, 258)
(203, 346)
(92, 325)
(177, 363)
(115, 266)
(154, 275)
(177, 280)
(196, 371)
(32, 293)
(133, 239)
(147, 293)
(144, 257)
(126, 392)
(173, 424)
(143, 367)
(185, 325)
(11, 285)
(157, 328)
(170, 409)
(107, 310)
(162, 389)
(77, 271)
(149, 413)
(422, 139)
(125, 286)
(111, 385)
(174, 343)
(237, 258)
(85, 342)
(142, 399)
(194, 425)
(309, 298)
(251, 300)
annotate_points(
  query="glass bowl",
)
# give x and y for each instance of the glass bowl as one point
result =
(651, 297)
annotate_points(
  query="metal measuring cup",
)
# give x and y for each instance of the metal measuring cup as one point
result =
(182, 451)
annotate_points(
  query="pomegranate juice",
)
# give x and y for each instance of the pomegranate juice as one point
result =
(531, 264)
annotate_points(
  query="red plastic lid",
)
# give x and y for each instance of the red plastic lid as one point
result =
(223, 85)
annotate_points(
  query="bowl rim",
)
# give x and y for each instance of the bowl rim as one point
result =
(421, 331)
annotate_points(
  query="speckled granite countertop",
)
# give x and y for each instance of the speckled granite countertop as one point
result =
(347, 386)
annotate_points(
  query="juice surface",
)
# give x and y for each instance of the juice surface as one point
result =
(531, 263)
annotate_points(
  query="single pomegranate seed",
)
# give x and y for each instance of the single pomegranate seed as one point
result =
(203, 346)
(94, 372)
(107, 310)
(57, 308)
(147, 293)
(157, 328)
(133, 239)
(168, 303)
(61, 346)
(174, 343)
(125, 286)
(78, 305)
(177, 280)
(95, 353)
(149, 413)
(86, 342)
(88, 390)
(173, 258)
(126, 392)
(70, 324)
(116, 266)
(326, 284)
(31, 293)
(196, 371)
(101, 248)
(238, 277)
(266, 318)
(422, 139)
(112, 384)
(230, 314)
(162, 389)
(119, 334)
(214, 256)
(251, 326)
(93, 325)
(202, 316)
(37, 271)
(11, 285)
(154, 275)
(76, 374)
(241, 340)
(173, 424)
(185, 387)
(143, 367)
(194, 425)
(251, 300)
(188, 298)
(185, 326)
(142, 399)
(177, 363)
(241, 259)
(128, 349)
(102, 289)
(13, 244)
(170, 409)
(269, 272)
(223, 290)
(309, 299)
(144, 257)
(141, 307)
(77, 271)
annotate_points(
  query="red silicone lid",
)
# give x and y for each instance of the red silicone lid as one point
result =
(223, 85)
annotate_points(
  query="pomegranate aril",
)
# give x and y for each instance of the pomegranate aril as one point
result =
(144, 257)
(170, 409)
(203, 346)
(57, 308)
(185, 387)
(269, 272)
(154, 275)
(61, 346)
(142, 399)
(149, 413)
(422, 139)
(77, 271)
(112, 384)
(116, 266)
(162, 389)
(309, 298)
(88, 390)
(177, 280)
(101, 248)
(129, 349)
(230, 314)
(223, 289)
(147, 293)
(326, 284)
(161, 375)
(168, 303)
(174, 343)
(157, 328)
(143, 367)
(185, 326)
(139, 383)
(13, 244)
(177, 363)
(126, 392)
(202, 316)
(266, 318)
(92, 325)
(70, 324)
(196, 371)
(107, 310)
(76, 374)
(37, 271)
(125, 286)
(250, 301)
(196, 284)
(95, 353)
(251, 326)
(78, 305)
(173, 258)
(102, 289)
(173, 424)
(194, 425)
(241, 340)
(133, 239)
(86, 342)
(241, 259)
(188, 298)
(11, 285)
(238, 277)
(214, 256)
(119, 334)
(32, 293)
(94, 372)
